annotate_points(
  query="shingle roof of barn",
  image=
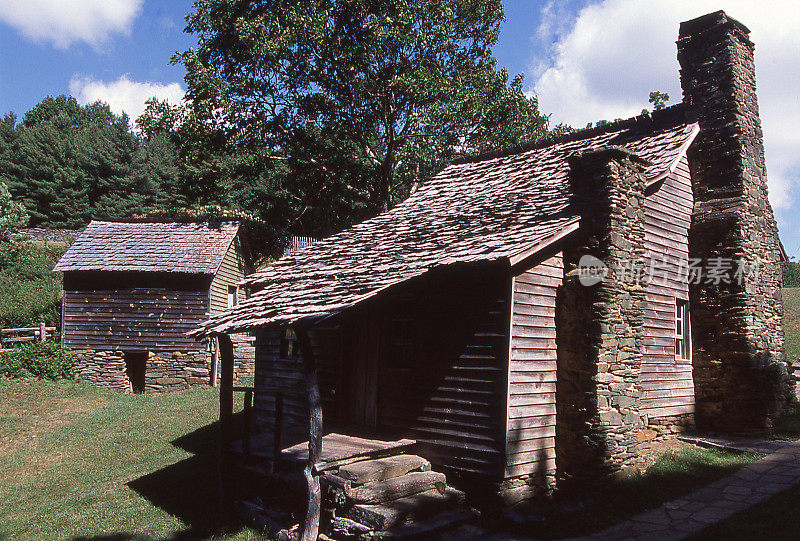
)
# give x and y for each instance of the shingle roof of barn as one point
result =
(488, 208)
(193, 247)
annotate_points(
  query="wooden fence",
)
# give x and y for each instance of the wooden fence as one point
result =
(10, 337)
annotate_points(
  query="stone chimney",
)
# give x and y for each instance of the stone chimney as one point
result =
(600, 323)
(740, 375)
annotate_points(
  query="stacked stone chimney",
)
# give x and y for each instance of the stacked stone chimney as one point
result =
(741, 381)
(599, 326)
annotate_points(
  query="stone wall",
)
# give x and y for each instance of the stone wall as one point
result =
(661, 428)
(104, 368)
(176, 370)
(599, 328)
(164, 371)
(740, 375)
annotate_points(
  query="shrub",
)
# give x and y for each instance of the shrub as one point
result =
(45, 360)
(29, 291)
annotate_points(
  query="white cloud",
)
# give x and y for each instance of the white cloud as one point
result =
(64, 22)
(606, 63)
(123, 95)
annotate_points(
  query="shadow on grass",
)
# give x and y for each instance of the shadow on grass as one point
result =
(187, 489)
(582, 512)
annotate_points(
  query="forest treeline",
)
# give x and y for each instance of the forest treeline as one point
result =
(304, 116)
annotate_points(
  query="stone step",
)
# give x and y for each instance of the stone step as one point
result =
(404, 511)
(382, 469)
(397, 487)
(429, 528)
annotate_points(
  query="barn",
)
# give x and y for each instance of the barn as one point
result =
(536, 316)
(132, 292)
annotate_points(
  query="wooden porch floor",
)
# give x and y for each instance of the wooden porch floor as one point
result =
(337, 449)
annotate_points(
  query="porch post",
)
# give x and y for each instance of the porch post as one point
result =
(212, 343)
(311, 523)
(224, 470)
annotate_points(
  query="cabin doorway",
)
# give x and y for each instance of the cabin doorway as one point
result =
(361, 407)
(135, 368)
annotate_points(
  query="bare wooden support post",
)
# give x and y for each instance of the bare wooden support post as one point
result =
(214, 343)
(311, 523)
(42, 331)
(248, 421)
(277, 435)
(225, 347)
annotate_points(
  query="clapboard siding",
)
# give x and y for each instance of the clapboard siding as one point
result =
(442, 372)
(231, 271)
(531, 419)
(286, 373)
(666, 382)
(153, 319)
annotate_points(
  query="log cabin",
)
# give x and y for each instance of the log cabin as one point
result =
(132, 292)
(530, 317)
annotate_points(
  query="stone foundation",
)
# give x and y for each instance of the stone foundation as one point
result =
(104, 368)
(665, 427)
(165, 371)
(176, 370)
(525, 487)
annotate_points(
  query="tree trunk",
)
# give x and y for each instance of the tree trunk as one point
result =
(311, 523)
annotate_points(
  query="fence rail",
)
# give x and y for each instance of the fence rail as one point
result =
(12, 336)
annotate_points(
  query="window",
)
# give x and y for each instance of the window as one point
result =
(683, 345)
(233, 296)
(288, 344)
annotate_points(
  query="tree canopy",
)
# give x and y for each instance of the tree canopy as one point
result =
(305, 115)
(372, 96)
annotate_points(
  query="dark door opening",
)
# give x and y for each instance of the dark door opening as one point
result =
(135, 368)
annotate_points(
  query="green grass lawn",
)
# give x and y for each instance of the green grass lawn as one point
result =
(80, 462)
(791, 321)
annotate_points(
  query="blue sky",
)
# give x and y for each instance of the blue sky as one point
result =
(584, 59)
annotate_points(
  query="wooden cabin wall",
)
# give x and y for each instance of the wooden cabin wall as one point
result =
(231, 271)
(531, 418)
(441, 367)
(666, 385)
(274, 370)
(103, 312)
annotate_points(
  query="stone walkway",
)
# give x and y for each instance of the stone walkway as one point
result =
(688, 515)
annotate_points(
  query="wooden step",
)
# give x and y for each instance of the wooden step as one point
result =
(382, 469)
(397, 487)
(404, 511)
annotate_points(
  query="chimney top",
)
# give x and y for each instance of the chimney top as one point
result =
(715, 20)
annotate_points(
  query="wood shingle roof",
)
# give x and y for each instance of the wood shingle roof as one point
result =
(485, 209)
(193, 248)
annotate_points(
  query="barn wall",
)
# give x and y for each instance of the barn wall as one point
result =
(667, 391)
(531, 422)
(231, 271)
(105, 313)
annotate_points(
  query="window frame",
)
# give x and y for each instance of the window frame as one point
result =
(233, 296)
(683, 331)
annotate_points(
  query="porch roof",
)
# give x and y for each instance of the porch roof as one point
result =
(496, 207)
